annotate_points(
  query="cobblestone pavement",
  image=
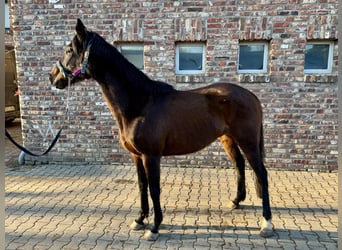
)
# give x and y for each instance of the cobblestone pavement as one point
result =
(92, 206)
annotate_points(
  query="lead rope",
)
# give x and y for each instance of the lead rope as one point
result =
(67, 101)
(24, 150)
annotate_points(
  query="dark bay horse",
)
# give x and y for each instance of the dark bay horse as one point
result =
(156, 120)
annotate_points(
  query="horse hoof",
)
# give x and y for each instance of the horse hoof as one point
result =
(136, 226)
(267, 229)
(266, 232)
(232, 205)
(151, 236)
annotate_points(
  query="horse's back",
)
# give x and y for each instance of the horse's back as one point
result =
(231, 99)
(226, 89)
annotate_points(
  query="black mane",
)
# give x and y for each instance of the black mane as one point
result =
(109, 55)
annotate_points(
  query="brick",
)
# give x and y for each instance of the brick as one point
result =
(40, 30)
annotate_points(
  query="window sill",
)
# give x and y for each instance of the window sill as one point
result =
(190, 78)
(255, 78)
(320, 78)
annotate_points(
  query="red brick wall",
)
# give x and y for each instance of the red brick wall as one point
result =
(300, 111)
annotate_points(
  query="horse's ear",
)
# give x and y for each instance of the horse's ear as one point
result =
(81, 30)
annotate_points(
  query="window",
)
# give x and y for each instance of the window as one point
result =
(133, 53)
(253, 57)
(7, 20)
(318, 57)
(190, 58)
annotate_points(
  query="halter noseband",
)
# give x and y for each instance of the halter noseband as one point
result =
(67, 73)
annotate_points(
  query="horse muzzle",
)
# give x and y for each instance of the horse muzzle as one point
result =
(61, 84)
(58, 82)
(58, 78)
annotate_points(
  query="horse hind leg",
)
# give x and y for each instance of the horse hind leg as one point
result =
(258, 186)
(238, 161)
(255, 159)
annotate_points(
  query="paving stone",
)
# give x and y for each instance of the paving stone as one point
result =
(67, 207)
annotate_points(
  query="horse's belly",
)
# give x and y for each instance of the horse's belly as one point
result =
(193, 134)
(182, 150)
(186, 144)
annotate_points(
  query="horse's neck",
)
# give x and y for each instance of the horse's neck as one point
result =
(113, 107)
(122, 84)
(124, 104)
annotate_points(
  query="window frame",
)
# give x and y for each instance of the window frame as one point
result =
(328, 70)
(265, 59)
(190, 72)
(137, 45)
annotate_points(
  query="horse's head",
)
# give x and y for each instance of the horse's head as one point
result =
(73, 66)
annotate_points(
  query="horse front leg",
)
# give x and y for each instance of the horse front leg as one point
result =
(138, 224)
(152, 167)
